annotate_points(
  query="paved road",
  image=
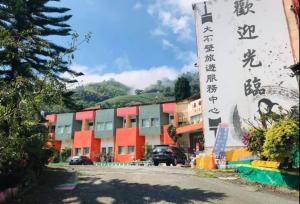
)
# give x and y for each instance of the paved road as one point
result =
(146, 185)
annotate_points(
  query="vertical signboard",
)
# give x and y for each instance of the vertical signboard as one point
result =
(244, 52)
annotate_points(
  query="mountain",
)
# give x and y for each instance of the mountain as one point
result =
(113, 94)
(91, 94)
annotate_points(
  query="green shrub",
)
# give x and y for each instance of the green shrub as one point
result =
(65, 154)
(281, 141)
(254, 140)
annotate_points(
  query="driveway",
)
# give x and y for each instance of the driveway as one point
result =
(144, 185)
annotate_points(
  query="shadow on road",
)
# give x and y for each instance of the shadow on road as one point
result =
(96, 190)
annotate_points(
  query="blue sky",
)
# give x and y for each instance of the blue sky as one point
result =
(134, 42)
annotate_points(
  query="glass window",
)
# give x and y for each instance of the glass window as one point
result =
(133, 122)
(52, 128)
(67, 129)
(86, 150)
(145, 123)
(108, 125)
(195, 119)
(60, 129)
(130, 149)
(121, 150)
(77, 151)
(124, 123)
(103, 151)
(100, 126)
(110, 150)
(154, 122)
(171, 119)
(91, 125)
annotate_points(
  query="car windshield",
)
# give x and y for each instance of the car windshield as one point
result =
(160, 149)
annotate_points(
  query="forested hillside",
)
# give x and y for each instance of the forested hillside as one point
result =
(113, 94)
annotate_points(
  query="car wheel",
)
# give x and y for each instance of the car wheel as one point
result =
(156, 163)
(175, 162)
(168, 163)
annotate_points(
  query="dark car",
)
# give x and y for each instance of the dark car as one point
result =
(168, 154)
(80, 160)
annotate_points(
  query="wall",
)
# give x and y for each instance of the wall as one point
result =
(148, 112)
(129, 137)
(66, 119)
(106, 115)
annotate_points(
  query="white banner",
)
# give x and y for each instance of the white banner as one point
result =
(244, 52)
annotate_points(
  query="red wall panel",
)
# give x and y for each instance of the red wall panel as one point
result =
(169, 107)
(51, 118)
(86, 115)
(129, 137)
(122, 112)
(86, 139)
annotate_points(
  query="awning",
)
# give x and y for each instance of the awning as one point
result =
(189, 128)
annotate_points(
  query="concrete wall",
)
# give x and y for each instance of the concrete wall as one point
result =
(63, 120)
(148, 112)
(106, 115)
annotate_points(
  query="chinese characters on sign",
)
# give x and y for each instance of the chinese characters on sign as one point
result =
(247, 32)
(211, 76)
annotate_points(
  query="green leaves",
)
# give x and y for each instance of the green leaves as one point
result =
(282, 139)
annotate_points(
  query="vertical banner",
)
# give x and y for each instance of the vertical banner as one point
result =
(244, 52)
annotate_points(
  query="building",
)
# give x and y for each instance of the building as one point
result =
(121, 134)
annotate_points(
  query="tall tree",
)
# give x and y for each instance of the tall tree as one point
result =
(31, 23)
(182, 88)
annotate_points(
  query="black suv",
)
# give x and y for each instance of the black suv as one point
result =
(168, 154)
(80, 160)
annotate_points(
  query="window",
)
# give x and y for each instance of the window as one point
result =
(130, 149)
(195, 119)
(171, 119)
(145, 123)
(67, 129)
(77, 151)
(133, 122)
(86, 150)
(110, 150)
(52, 128)
(100, 126)
(124, 123)
(103, 151)
(91, 125)
(121, 150)
(60, 129)
(154, 122)
(108, 125)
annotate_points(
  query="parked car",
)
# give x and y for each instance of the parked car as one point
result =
(168, 154)
(80, 160)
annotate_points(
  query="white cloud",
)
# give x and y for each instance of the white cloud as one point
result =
(134, 78)
(167, 44)
(158, 32)
(137, 6)
(175, 15)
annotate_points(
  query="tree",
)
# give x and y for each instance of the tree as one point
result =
(29, 22)
(182, 88)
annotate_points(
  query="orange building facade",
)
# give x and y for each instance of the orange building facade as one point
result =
(122, 134)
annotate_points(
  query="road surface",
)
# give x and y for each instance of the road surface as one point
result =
(144, 185)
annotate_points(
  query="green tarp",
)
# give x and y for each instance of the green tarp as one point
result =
(272, 177)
